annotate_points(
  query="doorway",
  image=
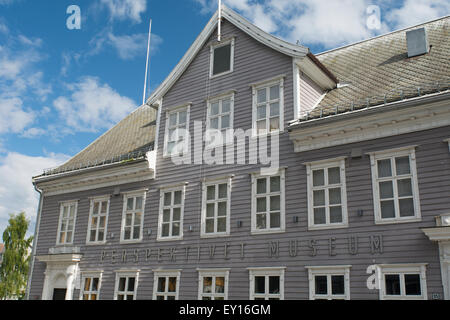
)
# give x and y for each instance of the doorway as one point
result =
(59, 294)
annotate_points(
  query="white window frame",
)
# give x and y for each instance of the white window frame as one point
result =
(448, 142)
(227, 134)
(167, 274)
(106, 215)
(202, 273)
(91, 274)
(216, 182)
(268, 194)
(392, 154)
(162, 207)
(169, 111)
(223, 43)
(266, 272)
(325, 165)
(126, 274)
(126, 196)
(329, 271)
(402, 270)
(267, 84)
(68, 204)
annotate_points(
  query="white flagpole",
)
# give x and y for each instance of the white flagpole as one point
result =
(146, 65)
(220, 21)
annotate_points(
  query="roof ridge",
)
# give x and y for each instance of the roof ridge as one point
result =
(381, 36)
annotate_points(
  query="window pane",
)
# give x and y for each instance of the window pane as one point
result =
(122, 284)
(261, 185)
(274, 184)
(226, 105)
(207, 284)
(104, 207)
(131, 284)
(261, 112)
(215, 108)
(274, 92)
(138, 203)
(384, 168)
(337, 285)
(275, 220)
(222, 209)
(404, 187)
(392, 282)
(220, 284)
(210, 210)
(130, 203)
(262, 95)
(274, 284)
(319, 216)
(335, 196)
(176, 214)
(386, 190)
(176, 229)
(274, 124)
(387, 209)
(87, 284)
(182, 117)
(336, 214)
(173, 119)
(320, 284)
(402, 165)
(161, 284)
(225, 122)
(261, 205)
(221, 225)
(166, 215)
(222, 59)
(412, 284)
(209, 225)
(172, 284)
(334, 175)
(177, 197)
(261, 221)
(274, 109)
(95, 284)
(406, 207)
(167, 198)
(261, 127)
(211, 192)
(96, 207)
(275, 203)
(214, 123)
(318, 178)
(223, 191)
(260, 284)
(319, 197)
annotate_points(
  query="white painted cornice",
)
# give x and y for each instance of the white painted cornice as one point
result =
(377, 122)
(437, 233)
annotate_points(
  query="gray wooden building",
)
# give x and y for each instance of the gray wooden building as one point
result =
(332, 180)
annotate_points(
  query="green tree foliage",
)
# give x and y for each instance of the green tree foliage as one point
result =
(16, 258)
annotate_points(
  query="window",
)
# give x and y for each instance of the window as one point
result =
(126, 285)
(403, 282)
(268, 105)
(213, 284)
(220, 115)
(91, 283)
(133, 217)
(222, 58)
(268, 203)
(98, 219)
(395, 188)
(327, 196)
(266, 283)
(171, 214)
(177, 131)
(216, 208)
(166, 285)
(67, 216)
(329, 282)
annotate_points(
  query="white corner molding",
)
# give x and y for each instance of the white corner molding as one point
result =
(448, 141)
(307, 66)
(412, 115)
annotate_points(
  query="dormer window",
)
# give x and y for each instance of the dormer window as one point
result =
(222, 57)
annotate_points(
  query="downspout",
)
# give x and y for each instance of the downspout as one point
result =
(36, 233)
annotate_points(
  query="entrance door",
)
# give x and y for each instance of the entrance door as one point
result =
(59, 294)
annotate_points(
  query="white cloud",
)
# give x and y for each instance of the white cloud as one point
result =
(92, 106)
(17, 193)
(125, 9)
(129, 46)
(13, 117)
(414, 12)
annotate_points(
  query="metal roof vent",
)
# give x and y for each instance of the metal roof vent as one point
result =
(417, 42)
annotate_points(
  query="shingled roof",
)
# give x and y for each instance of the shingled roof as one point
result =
(378, 70)
(133, 135)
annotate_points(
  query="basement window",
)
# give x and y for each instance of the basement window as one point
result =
(221, 56)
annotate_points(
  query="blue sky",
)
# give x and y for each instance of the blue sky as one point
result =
(60, 89)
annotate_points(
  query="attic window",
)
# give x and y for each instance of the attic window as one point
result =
(222, 58)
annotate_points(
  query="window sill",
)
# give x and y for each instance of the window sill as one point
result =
(211, 76)
(256, 136)
(165, 239)
(214, 235)
(325, 227)
(269, 231)
(395, 221)
(130, 241)
(99, 243)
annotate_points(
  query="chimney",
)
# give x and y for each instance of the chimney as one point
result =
(417, 42)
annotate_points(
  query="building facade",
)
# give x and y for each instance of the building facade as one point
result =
(353, 201)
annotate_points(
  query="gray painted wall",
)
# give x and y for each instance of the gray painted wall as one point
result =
(402, 243)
